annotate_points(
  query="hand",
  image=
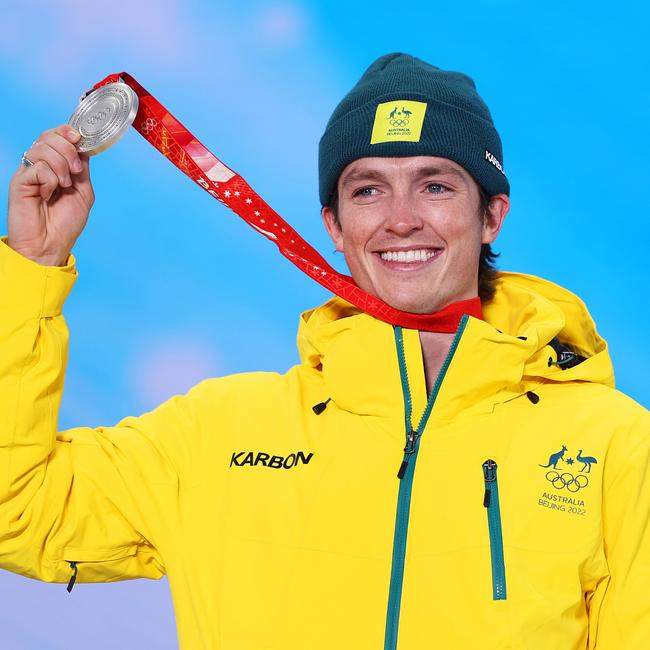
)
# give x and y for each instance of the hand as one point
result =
(49, 202)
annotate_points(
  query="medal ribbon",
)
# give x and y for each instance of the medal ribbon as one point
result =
(161, 129)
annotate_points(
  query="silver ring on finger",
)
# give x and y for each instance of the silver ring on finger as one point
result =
(25, 161)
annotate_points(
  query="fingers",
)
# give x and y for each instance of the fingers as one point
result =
(56, 165)
(36, 180)
(56, 147)
(44, 153)
(45, 178)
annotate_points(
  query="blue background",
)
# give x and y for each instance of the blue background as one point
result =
(173, 287)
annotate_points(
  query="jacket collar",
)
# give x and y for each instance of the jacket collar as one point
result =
(495, 360)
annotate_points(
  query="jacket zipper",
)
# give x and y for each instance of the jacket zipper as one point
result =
(405, 474)
(491, 503)
(73, 578)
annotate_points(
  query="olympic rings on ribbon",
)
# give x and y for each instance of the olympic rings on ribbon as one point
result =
(567, 480)
(396, 122)
(149, 125)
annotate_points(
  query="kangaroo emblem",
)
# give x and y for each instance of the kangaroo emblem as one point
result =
(556, 457)
(587, 460)
(392, 113)
(407, 112)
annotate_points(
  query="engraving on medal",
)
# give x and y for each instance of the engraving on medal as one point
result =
(104, 116)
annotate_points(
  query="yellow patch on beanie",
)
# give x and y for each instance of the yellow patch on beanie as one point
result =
(401, 119)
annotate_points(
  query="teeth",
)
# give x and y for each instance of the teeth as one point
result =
(408, 256)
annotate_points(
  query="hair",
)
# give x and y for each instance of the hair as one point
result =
(487, 270)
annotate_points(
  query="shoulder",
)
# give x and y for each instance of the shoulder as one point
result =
(629, 448)
(602, 419)
(595, 398)
(257, 391)
(618, 421)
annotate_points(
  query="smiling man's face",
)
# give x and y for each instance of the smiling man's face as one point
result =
(411, 230)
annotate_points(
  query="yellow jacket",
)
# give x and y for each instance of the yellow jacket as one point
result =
(521, 519)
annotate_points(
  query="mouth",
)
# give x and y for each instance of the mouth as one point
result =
(408, 259)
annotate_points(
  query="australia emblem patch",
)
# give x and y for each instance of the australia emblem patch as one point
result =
(399, 120)
(567, 475)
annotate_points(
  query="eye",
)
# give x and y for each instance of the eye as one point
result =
(436, 188)
(364, 191)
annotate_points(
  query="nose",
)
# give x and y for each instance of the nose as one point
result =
(403, 217)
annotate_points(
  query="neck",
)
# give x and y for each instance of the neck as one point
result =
(436, 344)
(435, 347)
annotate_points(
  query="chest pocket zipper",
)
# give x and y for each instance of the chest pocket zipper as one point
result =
(491, 503)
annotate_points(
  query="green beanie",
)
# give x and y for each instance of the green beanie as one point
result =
(403, 106)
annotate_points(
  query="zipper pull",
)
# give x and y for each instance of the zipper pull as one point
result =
(411, 439)
(73, 579)
(487, 497)
(490, 475)
(321, 406)
(490, 471)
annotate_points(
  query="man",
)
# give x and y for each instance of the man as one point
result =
(287, 510)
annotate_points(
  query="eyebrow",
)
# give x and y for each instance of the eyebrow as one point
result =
(375, 175)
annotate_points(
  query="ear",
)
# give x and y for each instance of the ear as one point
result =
(494, 216)
(333, 228)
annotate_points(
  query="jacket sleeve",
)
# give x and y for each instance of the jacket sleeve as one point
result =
(623, 619)
(103, 498)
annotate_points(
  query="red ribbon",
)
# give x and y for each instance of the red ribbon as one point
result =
(160, 128)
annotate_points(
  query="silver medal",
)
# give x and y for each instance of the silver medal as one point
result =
(104, 116)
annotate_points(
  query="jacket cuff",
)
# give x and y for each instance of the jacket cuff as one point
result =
(31, 289)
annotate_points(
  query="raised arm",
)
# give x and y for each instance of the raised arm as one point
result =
(96, 501)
